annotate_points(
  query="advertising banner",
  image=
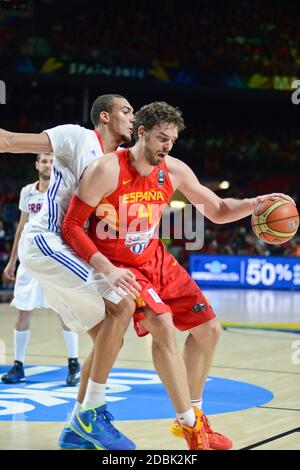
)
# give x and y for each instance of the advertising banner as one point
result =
(243, 271)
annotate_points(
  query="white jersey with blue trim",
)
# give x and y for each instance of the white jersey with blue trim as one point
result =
(71, 286)
(74, 147)
(31, 199)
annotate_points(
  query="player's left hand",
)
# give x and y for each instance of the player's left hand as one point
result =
(273, 197)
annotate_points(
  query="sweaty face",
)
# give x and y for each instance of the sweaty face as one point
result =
(44, 166)
(159, 142)
(121, 119)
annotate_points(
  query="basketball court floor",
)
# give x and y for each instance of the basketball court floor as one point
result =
(252, 394)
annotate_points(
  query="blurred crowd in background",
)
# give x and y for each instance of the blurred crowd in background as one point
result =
(250, 36)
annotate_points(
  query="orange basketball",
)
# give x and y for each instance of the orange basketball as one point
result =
(275, 221)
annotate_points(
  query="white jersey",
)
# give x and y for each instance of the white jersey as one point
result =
(28, 294)
(31, 199)
(74, 147)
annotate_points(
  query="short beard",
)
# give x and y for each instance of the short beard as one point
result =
(150, 160)
(43, 177)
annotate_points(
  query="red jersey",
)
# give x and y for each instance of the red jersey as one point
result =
(124, 225)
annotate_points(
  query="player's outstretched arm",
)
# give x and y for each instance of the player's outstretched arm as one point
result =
(14, 142)
(216, 209)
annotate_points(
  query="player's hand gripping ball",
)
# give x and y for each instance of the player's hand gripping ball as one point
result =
(275, 221)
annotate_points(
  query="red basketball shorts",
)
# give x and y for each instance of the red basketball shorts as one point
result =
(167, 287)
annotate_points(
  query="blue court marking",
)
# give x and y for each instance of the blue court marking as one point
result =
(132, 394)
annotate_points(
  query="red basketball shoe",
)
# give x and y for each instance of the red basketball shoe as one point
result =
(216, 440)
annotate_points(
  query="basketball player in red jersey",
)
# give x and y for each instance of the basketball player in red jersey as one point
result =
(126, 192)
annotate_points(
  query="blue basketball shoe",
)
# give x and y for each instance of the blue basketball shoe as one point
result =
(69, 439)
(15, 374)
(95, 426)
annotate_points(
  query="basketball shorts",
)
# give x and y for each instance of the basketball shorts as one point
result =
(167, 287)
(28, 293)
(71, 287)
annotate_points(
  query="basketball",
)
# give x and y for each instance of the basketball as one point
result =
(275, 221)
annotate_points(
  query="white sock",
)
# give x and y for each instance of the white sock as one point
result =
(94, 395)
(76, 408)
(197, 403)
(187, 417)
(21, 340)
(71, 340)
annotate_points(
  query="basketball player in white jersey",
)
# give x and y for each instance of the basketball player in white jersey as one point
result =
(101, 304)
(28, 294)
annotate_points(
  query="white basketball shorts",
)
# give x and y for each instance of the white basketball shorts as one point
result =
(71, 286)
(28, 293)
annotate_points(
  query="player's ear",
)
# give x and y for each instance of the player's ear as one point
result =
(37, 164)
(141, 132)
(104, 117)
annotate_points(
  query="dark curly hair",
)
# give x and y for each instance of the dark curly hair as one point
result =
(155, 113)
